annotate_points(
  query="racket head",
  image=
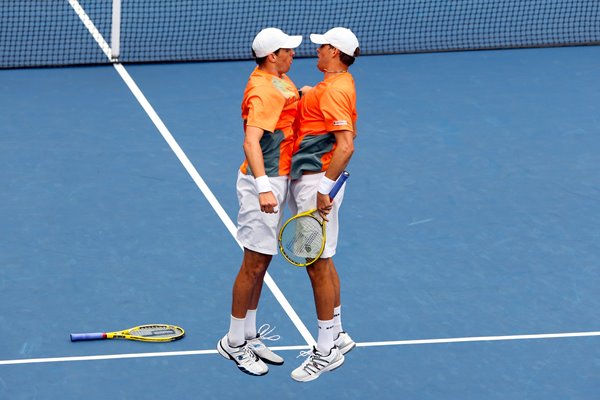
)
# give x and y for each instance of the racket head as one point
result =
(150, 333)
(302, 239)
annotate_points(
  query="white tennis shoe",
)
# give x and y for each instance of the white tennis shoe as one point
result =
(344, 342)
(317, 363)
(245, 359)
(260, 349)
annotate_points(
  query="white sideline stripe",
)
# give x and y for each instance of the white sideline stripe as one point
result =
(304, 347)
(106, 357)
(479, 339)
(189, 166)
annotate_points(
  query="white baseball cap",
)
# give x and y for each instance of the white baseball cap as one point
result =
(271, 39)
(340, 38)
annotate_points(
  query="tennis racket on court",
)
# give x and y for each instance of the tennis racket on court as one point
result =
(302, 237)
(144, 333)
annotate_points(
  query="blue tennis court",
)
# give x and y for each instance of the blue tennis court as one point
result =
(469, 253)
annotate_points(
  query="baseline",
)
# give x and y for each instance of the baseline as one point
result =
(304, 347)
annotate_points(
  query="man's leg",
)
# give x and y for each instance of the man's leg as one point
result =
(324, 295)
(250, 324)
(252, 271)
(246, 295)
(233, 346)
(326, 357)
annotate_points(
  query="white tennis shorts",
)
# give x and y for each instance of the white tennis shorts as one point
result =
(303, 197)
(257, 230)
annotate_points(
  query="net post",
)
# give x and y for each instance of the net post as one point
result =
(115, 34)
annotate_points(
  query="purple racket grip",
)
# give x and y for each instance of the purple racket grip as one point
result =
(338, 184)
(75, 337)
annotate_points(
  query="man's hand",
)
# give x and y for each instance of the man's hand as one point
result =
(304, 89)
(324, 205)
(268, 203)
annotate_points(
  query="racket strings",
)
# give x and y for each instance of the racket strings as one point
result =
(156, 332)
(302, 239)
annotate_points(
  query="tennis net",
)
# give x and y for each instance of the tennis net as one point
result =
(50, 32)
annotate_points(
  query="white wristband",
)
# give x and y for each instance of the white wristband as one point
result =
(325, 185)
(262, 184)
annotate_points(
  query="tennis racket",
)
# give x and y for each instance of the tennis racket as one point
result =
(302, 237)
(145, 333)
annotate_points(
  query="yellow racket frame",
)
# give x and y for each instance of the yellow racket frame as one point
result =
(126, 334)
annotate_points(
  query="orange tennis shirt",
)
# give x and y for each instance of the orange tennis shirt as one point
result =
(329, 107)
(270, 103)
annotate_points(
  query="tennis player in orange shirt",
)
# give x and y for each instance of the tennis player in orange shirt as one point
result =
(269, 109)
(325, 129)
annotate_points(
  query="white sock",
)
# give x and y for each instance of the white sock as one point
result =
(325, 338)
(250, 325)
(236, 332)
(337, 321)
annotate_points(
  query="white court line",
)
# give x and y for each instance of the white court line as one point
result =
(91, 28)
(480, 339)
(285, 348)
(189, 167)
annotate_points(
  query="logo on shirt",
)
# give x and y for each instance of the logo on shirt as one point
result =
(284, 88)
(341, 122)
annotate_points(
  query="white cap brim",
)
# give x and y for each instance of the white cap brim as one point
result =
(318, 39)
(292, 42)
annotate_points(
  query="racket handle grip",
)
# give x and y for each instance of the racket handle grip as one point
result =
(75, 337)
(338, 184)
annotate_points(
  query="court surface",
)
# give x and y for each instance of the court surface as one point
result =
(469, 253)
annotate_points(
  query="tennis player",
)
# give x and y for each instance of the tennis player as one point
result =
(324, 145)
(269, 108)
